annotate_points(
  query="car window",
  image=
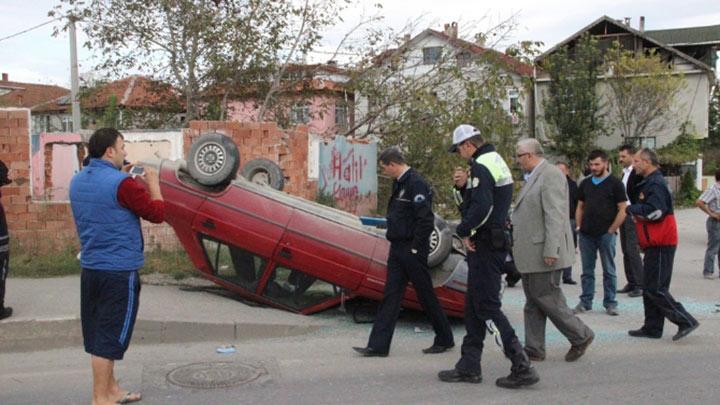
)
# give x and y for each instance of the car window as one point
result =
(233, 264)
(297, 289)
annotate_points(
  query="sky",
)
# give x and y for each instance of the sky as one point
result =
(37, 57)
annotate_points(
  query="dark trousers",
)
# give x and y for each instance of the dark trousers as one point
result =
(482, 303)
(5, 263)
(658, 302)
(404, 266)
(631, 253)
(567, 271)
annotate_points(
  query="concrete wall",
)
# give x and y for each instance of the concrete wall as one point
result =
(348, 174)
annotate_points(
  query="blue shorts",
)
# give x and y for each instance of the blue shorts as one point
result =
(108, 308)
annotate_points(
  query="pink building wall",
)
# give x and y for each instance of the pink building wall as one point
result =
(321, 109)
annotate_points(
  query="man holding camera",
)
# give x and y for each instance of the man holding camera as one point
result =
(107, 205)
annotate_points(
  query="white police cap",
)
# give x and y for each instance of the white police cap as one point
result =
(462, 133)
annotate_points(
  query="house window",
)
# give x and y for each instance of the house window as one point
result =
(67, 124)
(642, 141)
(431, 55)
(464, 59)
(300, 114)
(341, 117)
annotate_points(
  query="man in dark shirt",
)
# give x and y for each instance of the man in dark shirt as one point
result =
(599, 214)
(572, 205)
(628, 239)
(410, 222)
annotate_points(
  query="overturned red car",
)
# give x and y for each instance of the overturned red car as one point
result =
(282, 250)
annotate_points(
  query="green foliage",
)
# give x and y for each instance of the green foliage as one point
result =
(687, 194)
(685, 148)
(326, 199)
(642, 91)
(572, 108)
(111, 113)
(714, 118)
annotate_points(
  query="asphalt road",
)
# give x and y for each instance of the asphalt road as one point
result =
(320, 368)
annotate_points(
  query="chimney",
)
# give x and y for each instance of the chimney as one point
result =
(642, 23)
(453, 30)
(5, 77)
(627, 21)
(332, 62)
(406, 38)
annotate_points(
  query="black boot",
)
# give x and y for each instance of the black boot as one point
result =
(522, 372)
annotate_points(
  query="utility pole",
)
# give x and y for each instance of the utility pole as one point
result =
(74, 86)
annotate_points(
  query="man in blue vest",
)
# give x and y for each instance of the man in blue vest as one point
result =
(490, 189)
(107, 205)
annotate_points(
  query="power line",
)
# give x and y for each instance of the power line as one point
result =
(29, 29)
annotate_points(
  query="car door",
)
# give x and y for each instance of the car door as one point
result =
(240, 230)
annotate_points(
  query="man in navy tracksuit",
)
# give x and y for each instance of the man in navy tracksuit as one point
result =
(657, 235)
(484, 235)
(107, 205)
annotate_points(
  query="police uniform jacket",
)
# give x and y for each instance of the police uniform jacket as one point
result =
(489, 194)
(409, 213)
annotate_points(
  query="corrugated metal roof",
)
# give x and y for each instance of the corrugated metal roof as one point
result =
(687, 36)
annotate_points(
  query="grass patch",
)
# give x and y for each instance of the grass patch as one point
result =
(28, 264)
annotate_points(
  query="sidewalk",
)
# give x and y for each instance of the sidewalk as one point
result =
(47, 315)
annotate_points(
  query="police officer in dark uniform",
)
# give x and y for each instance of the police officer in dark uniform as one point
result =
(461, 197)
(410, 221)
(483, 232)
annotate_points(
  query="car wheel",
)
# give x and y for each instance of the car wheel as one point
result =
(265, 172)
(213, 159)
(440, 242)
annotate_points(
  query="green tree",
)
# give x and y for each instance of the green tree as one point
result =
(404, 101)
(572, 105)
(642, 91)
(714, 118)
(200, 44)
(111, 113)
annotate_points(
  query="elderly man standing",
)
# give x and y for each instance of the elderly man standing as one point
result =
(543, 247)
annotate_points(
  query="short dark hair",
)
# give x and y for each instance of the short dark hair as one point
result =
(717, 175)
(567, 166)
(631, 149)
(476, 140)
(598, 153)
(391, 155)
(649, 155)
(102, 139)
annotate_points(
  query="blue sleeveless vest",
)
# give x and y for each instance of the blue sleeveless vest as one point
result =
(109, 233)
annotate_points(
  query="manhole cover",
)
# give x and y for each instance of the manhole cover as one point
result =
(215, 375)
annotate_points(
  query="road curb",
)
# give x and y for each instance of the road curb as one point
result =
(43, 334)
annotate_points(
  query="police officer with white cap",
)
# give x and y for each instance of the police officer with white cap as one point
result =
(482, 228)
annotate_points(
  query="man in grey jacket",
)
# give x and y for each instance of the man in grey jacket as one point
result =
(543, 246)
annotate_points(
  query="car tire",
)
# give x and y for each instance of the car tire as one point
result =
(440, 242)
(213, 159)
(265, 172)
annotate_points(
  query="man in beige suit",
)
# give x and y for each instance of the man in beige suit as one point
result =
(543, 246)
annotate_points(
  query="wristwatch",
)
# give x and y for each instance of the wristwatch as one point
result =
(413, 251)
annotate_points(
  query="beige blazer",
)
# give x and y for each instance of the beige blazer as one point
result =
(541, 224)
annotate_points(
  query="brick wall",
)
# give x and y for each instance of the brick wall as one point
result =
(38, 225)
(287, 148)
(44, 226)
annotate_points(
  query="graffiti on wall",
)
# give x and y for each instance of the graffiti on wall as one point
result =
(348, 175)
